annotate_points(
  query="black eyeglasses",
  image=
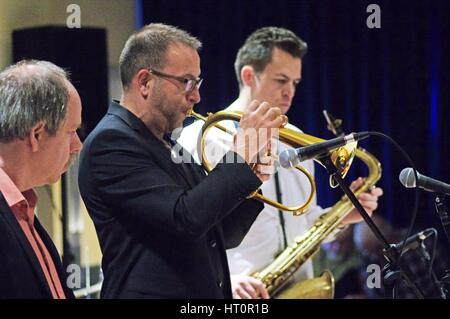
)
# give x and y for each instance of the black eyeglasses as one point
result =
(189, 83)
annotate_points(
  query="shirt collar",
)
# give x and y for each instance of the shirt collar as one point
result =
(27, 199)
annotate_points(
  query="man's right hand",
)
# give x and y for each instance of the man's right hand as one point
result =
(246, 287)
(259, 123)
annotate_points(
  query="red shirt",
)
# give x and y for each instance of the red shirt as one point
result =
(23, 206)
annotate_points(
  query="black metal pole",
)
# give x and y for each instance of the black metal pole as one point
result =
(390, 251)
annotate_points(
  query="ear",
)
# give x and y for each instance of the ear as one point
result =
(248, 75)
(144, 80)
(36, 135)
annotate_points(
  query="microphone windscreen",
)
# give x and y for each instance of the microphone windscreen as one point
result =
(287, 158)
(407, 177)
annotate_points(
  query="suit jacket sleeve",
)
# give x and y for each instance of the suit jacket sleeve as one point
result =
(237, 224)
(127, 178)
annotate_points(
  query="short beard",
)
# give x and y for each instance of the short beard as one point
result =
(160, 103)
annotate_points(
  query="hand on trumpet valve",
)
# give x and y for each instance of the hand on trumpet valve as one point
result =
(259, 123)
(265, 164)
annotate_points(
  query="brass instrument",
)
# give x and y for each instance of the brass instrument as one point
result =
(277, 274)
(287, 136)
(212, 121)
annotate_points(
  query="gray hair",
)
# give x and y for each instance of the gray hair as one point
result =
(147, 48)
(257, 49)
(31, 91)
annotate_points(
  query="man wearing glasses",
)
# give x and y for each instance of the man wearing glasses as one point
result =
(163, 225)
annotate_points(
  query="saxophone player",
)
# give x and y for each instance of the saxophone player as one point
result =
(268, 68)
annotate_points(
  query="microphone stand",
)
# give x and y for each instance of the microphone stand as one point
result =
(439, 203)
(393, 271)
(443, 213)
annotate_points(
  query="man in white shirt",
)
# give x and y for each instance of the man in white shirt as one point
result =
(268, 68)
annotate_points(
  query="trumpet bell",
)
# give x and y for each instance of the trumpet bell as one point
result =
(342, 159)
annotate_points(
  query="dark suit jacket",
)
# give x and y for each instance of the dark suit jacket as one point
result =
(21, 275)
(161, 225)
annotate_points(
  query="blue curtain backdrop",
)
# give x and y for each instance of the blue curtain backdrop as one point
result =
(393, 80)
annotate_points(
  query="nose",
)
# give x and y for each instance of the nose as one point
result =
(194, 96)
(289, 90)
(76, 145)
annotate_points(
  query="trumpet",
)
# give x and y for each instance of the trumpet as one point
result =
(341, 158)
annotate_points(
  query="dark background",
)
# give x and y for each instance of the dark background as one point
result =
(394, 80)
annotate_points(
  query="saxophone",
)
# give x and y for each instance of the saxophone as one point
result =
(277, 275)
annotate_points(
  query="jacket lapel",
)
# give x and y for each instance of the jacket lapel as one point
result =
(187, 167)
(164, 157)
(11, 220)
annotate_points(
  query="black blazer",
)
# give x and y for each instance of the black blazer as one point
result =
(21, 275)
(162, 226)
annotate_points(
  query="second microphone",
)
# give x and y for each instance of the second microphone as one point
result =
(292, 157)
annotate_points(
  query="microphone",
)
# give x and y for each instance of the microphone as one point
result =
(417, 240)
(292, 157)
(429, 184)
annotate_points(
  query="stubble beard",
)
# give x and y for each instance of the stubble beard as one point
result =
(169, 113)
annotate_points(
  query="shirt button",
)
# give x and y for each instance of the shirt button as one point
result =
(213, 243)
(220, 284)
